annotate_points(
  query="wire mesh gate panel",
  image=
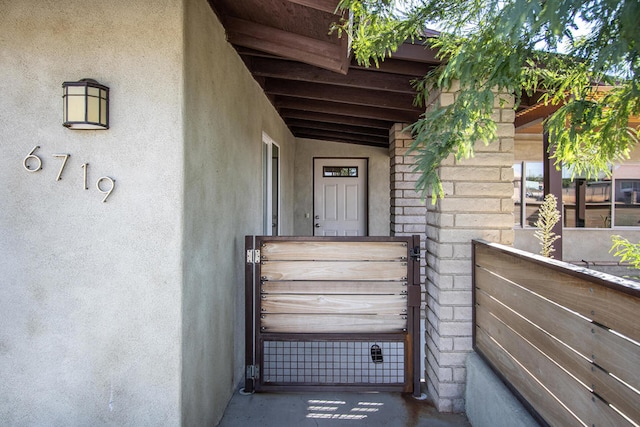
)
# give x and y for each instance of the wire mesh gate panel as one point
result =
(337, 312)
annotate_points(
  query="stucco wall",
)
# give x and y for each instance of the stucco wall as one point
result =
(379, 205)
(90, 291)
(528, 147)
(589, 244)
(225, 115)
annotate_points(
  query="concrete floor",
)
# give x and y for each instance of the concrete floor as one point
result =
(334, 409)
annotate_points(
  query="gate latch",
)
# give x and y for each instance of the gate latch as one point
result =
(415, 253)
(253, 372)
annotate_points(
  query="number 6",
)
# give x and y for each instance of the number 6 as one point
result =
(107, 192)
(32, 156)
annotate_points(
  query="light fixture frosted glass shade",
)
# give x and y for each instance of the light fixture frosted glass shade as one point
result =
(85, 105)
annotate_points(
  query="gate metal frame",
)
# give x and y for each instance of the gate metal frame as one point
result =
(255, 338)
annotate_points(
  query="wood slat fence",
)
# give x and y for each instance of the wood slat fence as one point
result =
(564, 338)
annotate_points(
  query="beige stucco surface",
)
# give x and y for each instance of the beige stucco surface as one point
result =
(379, 192)
(591, 244)
(225, 115)
(90, 291)
(128, 312)
(528, 147)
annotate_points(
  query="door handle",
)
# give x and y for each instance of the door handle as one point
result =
(317, 217)
(317, 225)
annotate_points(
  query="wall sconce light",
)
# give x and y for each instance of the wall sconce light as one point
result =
(85, 105)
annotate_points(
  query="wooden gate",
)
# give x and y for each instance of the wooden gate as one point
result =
(332, 312)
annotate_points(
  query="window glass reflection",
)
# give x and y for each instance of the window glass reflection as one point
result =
(534, 191)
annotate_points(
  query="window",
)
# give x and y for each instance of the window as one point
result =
(271, 186)
(586, 202)
(604, 202)
(340, 171)
(517, 193)
(627, 200)
(528, 192)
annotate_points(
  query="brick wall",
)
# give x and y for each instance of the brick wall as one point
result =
(477, 204)
(408, 210)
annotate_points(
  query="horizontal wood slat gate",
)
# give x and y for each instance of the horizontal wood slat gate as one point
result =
(332, 312)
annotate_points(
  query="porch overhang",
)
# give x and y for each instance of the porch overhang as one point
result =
(310, 76)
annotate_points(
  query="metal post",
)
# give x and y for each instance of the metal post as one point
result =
(553, 185)
(415, 319)
(249, 280)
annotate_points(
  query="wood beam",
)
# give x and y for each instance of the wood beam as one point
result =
(362, 78)
(395, 116)
(340, 138)
(416, 53)
(289, 45)
(334, 118)
(329, 6)
(355, 130)
(347, 95)
(397, 66)
(534, 113)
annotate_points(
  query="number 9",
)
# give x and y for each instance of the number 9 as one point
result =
(106, 192)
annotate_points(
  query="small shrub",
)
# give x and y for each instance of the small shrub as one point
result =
(548, 216)
(627, 251)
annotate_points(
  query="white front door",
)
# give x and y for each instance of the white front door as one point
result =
(340, 197)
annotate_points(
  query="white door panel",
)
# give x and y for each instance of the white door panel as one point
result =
(351, 208)
(330, 206)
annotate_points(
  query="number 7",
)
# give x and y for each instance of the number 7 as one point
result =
(64, 162)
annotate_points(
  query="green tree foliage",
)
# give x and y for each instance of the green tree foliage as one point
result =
(627, 251)
(493, 47)
(548, 216)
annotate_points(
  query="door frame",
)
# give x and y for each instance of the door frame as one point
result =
(366, 193)
(268, 173)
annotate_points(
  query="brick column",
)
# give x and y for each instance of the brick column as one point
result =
(477, 204)
(408, 210)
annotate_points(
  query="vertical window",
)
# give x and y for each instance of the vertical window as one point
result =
(627, 195)
(517, 193)
(271, 186)
(534, 191)
(587, 202)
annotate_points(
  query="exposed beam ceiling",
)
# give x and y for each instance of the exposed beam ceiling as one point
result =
(329, 6)
(319, 53)
(309, 76)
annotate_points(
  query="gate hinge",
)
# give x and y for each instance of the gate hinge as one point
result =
(253, 372)
(415, 253)
(253, 256)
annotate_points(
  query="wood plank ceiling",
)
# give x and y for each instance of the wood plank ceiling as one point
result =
(315, 85)
(310, 77)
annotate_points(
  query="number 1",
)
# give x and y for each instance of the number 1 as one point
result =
(85, 166)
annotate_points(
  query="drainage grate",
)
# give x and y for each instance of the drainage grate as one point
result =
(333, 362)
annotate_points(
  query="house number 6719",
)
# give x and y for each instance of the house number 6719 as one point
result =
(33, 163)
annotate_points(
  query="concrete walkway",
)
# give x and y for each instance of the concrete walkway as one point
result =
(334, 409)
